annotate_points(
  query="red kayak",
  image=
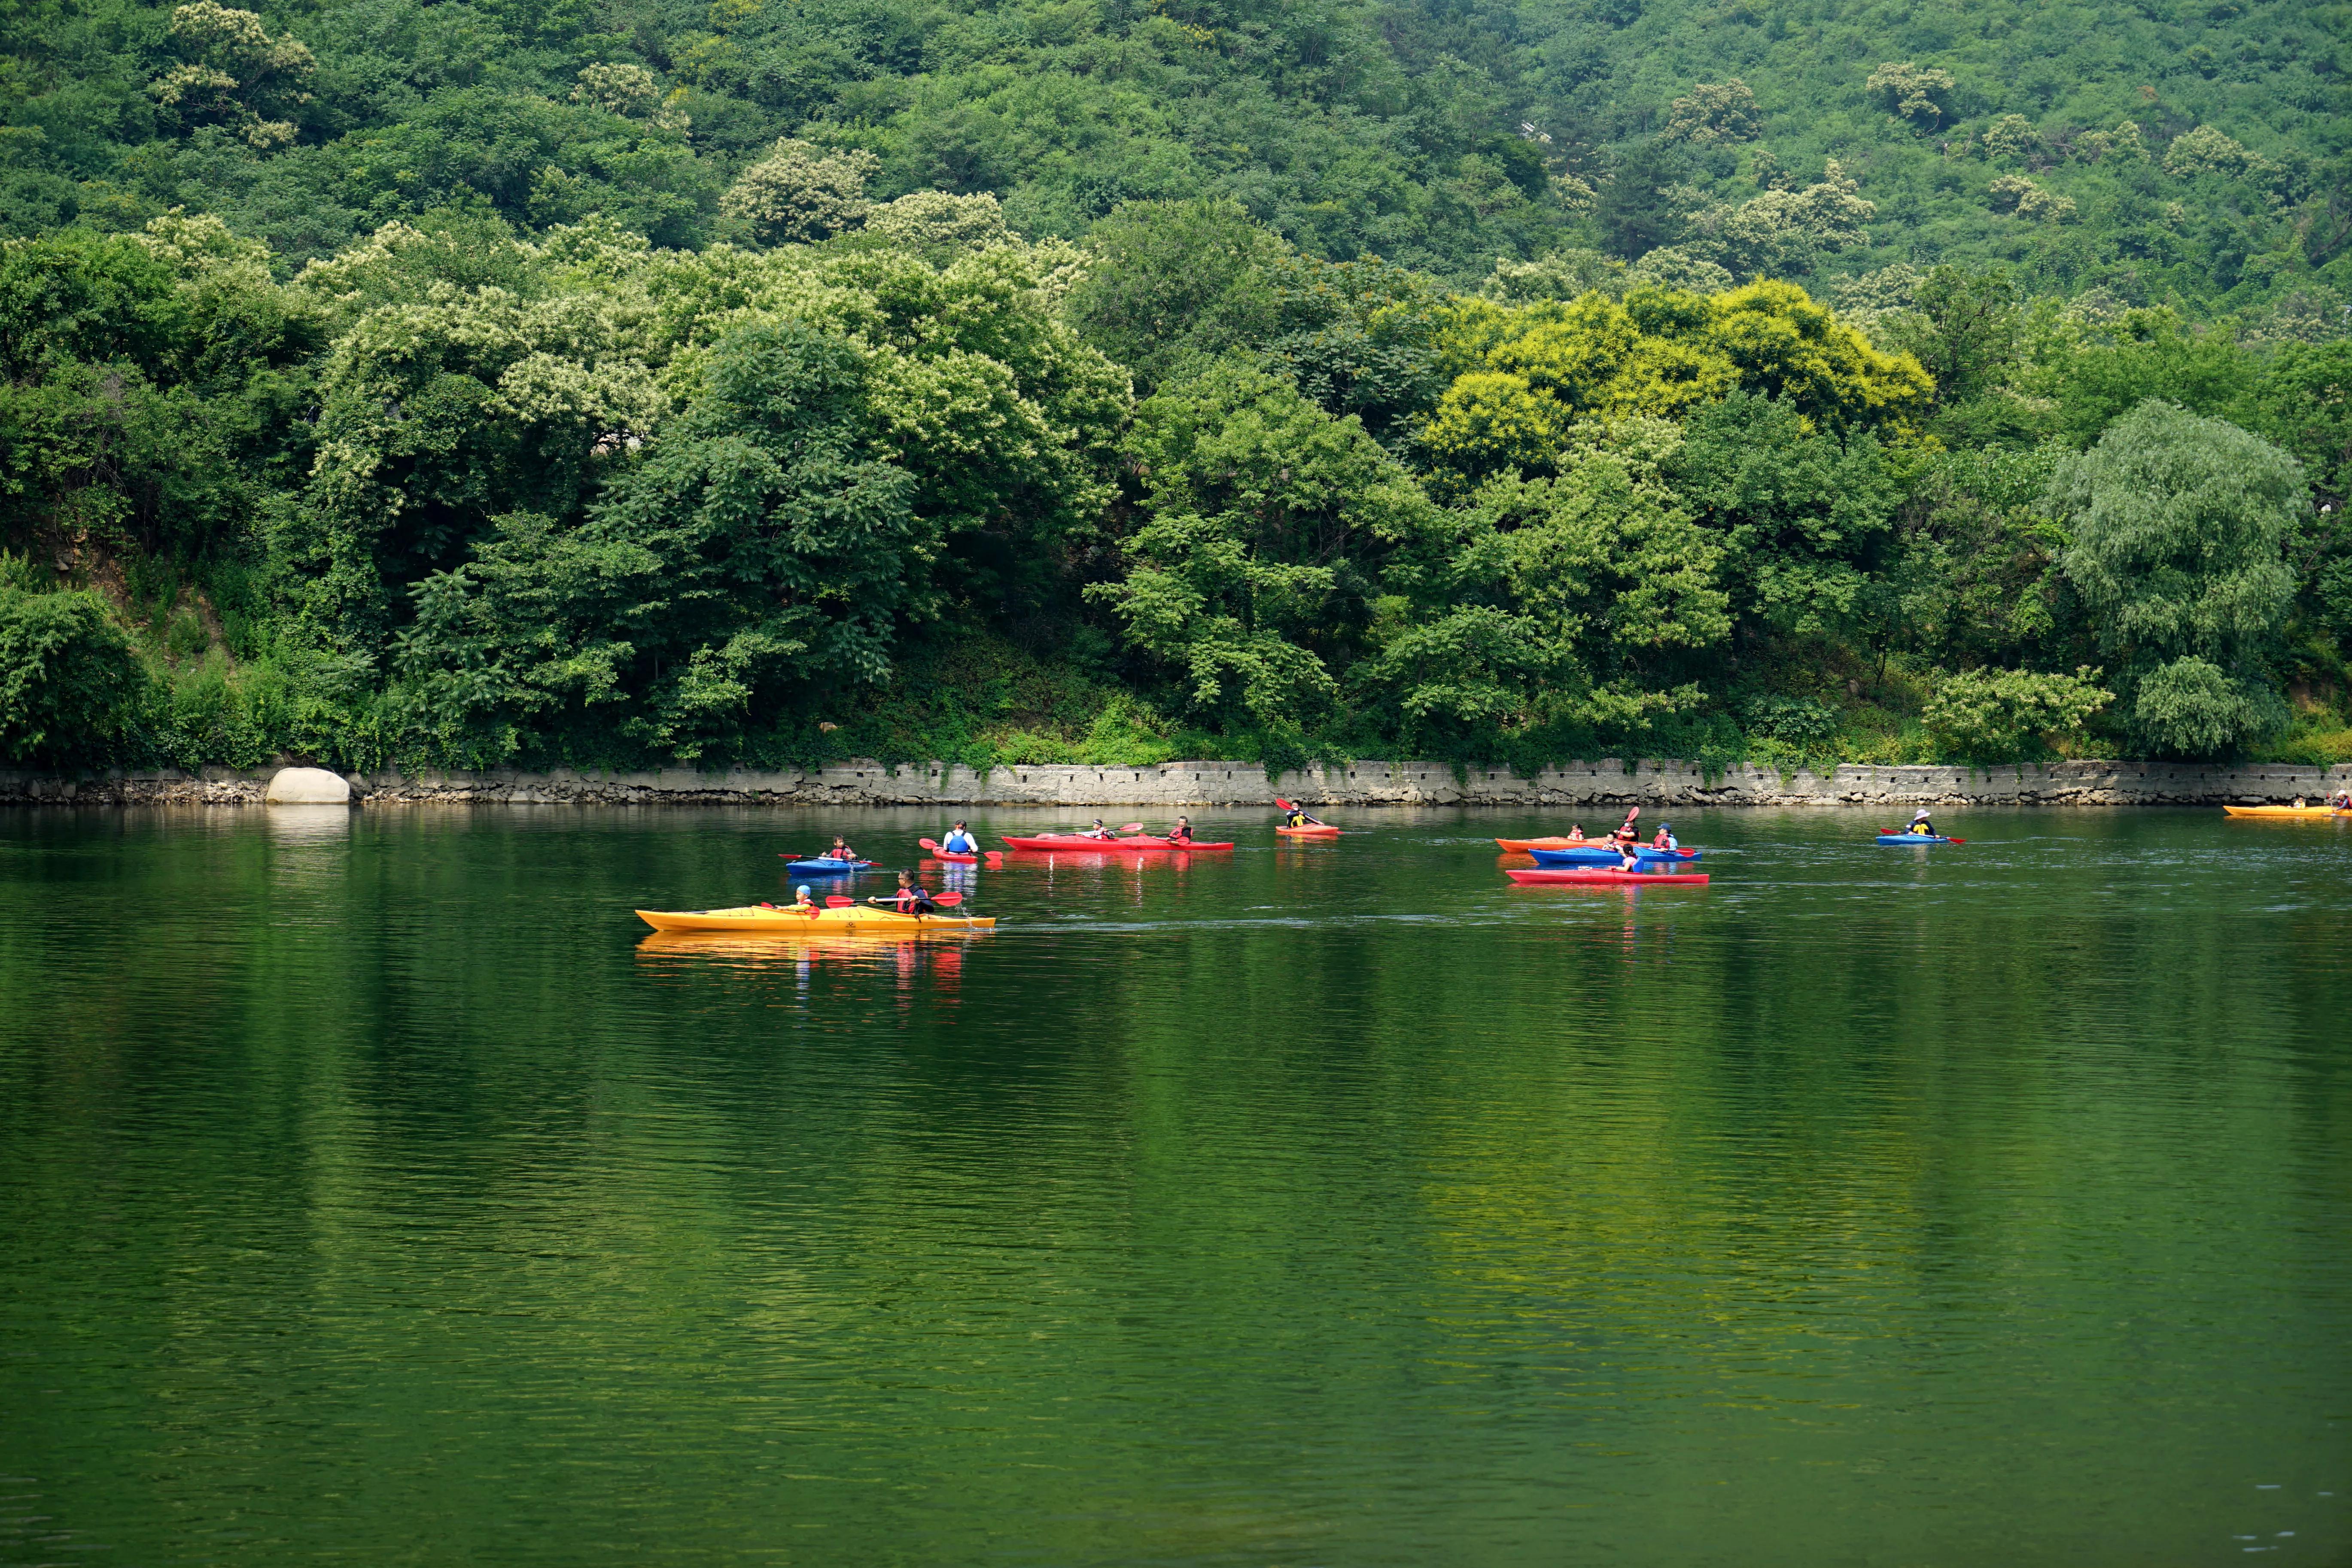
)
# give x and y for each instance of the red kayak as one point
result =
(951, 854)
(1605, 874)
(1105, 845)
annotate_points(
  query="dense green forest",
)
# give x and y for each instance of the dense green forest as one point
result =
(622, 381)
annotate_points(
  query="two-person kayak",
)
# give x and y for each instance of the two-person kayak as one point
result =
(787, 921)
(1131, 844)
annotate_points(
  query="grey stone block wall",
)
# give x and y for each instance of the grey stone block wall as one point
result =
(1213, 784)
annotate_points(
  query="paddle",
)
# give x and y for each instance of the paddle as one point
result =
(840, 901)
(938, 900)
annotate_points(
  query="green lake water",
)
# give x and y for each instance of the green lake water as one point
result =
(374, 1189)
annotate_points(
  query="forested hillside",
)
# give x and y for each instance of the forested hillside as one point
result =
(616, 383)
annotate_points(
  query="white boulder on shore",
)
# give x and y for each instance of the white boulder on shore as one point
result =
(307, 786)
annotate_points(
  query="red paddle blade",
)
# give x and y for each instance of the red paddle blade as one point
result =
(1131, 827)
(928, 845)
(838, 903)
(1283, 803)
(996, 857)
(947, 901)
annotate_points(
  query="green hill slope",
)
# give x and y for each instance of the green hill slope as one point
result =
(1401, 131)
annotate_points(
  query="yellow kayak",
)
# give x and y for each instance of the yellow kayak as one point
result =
(2287, 813)
(863, 919)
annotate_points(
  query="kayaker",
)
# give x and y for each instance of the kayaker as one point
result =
(1576, 832)
(1922, 823)
(1629, 858)
(1299, 818)
(1665, 839)
(1182, 832)
(801, 900)
(958, 842)
(909, 899)
(1097, 831)
(840, 850)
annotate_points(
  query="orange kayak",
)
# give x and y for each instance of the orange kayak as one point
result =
(1312, 830)
(1521, 846)
(2286, 812)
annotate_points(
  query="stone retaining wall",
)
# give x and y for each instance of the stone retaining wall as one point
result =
(1241, 783)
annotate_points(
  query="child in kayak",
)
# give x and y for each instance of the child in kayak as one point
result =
(801, 900)
(840, 850)
(1576, 832)
(1299, 818)
(909, 899)
(1182, 832)
(958, 842)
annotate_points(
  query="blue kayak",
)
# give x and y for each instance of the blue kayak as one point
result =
(1917, 838)
(826, 867)
(1598, 857)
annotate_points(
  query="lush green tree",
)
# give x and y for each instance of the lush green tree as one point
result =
(2179, 524)
(1965, 328)
(1803, 516)
(1249, 581)
(2002, 715)
(2098, 375)
(1175, 283)
(756, 552)
(68, 678)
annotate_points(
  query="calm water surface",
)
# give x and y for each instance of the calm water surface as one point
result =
(373, 1188)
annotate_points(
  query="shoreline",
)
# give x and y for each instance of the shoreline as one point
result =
(1215, 783)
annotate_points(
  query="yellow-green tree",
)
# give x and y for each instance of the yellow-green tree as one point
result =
(1525, 374)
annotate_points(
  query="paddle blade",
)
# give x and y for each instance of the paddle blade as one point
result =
(838, 902)
(928, 845)
(1131, 827)
(947, 901)
(996, 857)
(1283, 803)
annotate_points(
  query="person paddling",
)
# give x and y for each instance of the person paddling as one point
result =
(1299, 818)
(1097, 831)
(801, 901)
(909, 899)
(958, 842)
(1923, 823)
(1182, 832)
(840, 850)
